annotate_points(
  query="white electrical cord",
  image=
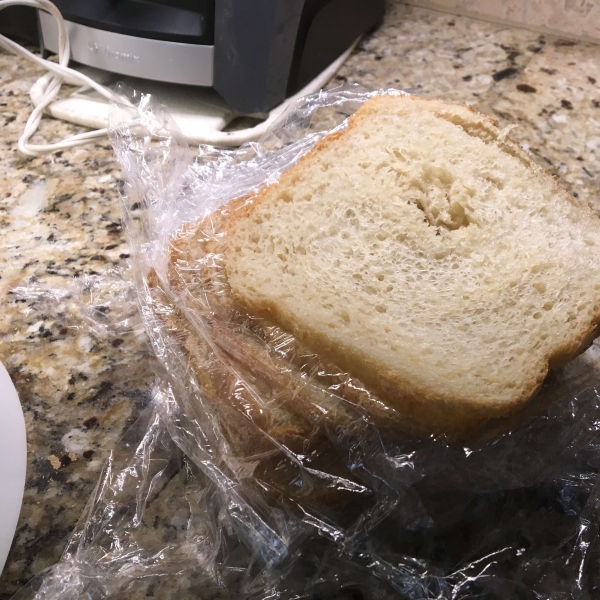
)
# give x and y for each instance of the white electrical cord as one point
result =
(61, 72)
(47, 88)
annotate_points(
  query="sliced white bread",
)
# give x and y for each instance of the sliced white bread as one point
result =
(423, 253)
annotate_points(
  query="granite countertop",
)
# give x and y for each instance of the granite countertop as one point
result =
(61, 236)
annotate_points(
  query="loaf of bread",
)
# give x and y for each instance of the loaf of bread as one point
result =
(417, 250)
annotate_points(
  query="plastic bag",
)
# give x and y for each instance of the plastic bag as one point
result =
(105, 305)
(299, 487)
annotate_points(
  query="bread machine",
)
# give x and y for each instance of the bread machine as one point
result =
(254, 53)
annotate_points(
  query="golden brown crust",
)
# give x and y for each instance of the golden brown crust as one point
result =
(421, 410)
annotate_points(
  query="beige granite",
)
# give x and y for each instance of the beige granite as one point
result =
(59, 223)
(432, 54)
(60, 233)
(555, 104)
(578, 19)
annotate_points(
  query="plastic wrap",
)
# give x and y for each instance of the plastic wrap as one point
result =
(103, 305)
(291, 480)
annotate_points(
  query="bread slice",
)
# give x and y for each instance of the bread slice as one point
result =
(273, 423)
(423, 253)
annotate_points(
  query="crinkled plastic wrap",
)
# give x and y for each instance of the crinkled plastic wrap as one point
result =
(105, 305)
(292, 480)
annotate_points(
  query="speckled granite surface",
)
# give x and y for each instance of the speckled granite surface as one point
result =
(578, 20)
(59, 220)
